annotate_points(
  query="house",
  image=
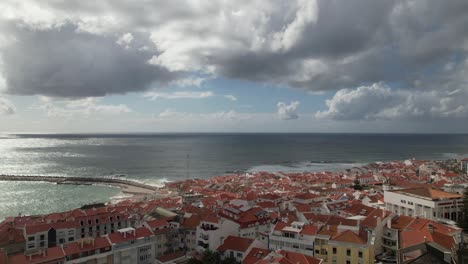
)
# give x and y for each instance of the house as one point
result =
(238, 247)
(424, 202)
(133, 245)
(295, 237)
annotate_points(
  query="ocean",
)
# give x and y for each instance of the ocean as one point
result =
(155, 158)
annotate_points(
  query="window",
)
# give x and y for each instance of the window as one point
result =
(239, 255)
(348, 262)
(31, 238)
(403, 201)
(97, 221)
(348, 252)
(360, 254)
(42, 237)
(70, 239)
(42, 244)
(89, 221)
(334, 250)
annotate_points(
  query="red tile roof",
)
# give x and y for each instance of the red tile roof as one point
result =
(86, 244)
(50, 255)
(349, 237)
(235, 243)
(119, 237)
(428, 192)
(255, 255)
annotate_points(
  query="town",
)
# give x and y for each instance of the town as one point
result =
(407, 211)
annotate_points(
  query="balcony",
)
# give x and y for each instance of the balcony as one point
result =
(208, 227)
(202, 244)
(204, 237)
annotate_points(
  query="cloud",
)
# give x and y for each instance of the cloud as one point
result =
(75, 49)
(6, 107)
(224, 116)
(379, 102)
(288, 112)
(87, 107)
(313, 45)
(178, 95)
(62, 61)
(230, 97)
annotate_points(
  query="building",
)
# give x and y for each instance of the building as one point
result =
(251, 222)
(296, 237)
(212, 231)
(425, 202)
(351, 248)
(42, 236)
(238, 247)
(130, 245)
(464, 165)
(89, 250)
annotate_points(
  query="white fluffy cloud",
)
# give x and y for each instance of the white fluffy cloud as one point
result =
(288, 111)
(378, 101)
(311, 44)
(224, 116)
(178, 95)
(6, 107)
(230, 97)
(86, 107)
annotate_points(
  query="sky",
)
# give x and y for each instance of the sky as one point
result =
(234, 66)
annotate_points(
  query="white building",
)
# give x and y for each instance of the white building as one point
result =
(464, 165)
(212, 231)
(424, 202)
(295, 237)
(130, 245)
(238, 247)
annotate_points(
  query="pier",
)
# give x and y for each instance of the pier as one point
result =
(127, 186)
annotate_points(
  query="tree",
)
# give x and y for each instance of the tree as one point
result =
(194, 261)
(230, 260)
(211, 257)
(463, 219)
(357, 185)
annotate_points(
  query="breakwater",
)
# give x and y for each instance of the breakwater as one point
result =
(126, 185)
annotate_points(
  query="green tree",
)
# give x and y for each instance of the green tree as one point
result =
(463, 220)
(230, 260)
(211, 257)
(357, 185)
(194, 261)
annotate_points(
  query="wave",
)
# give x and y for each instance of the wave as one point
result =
(306, 166)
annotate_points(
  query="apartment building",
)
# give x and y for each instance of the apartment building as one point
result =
(424, 202)
(295, 237)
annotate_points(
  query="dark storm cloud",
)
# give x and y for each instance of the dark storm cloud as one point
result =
(62, 61)
(323, 45)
